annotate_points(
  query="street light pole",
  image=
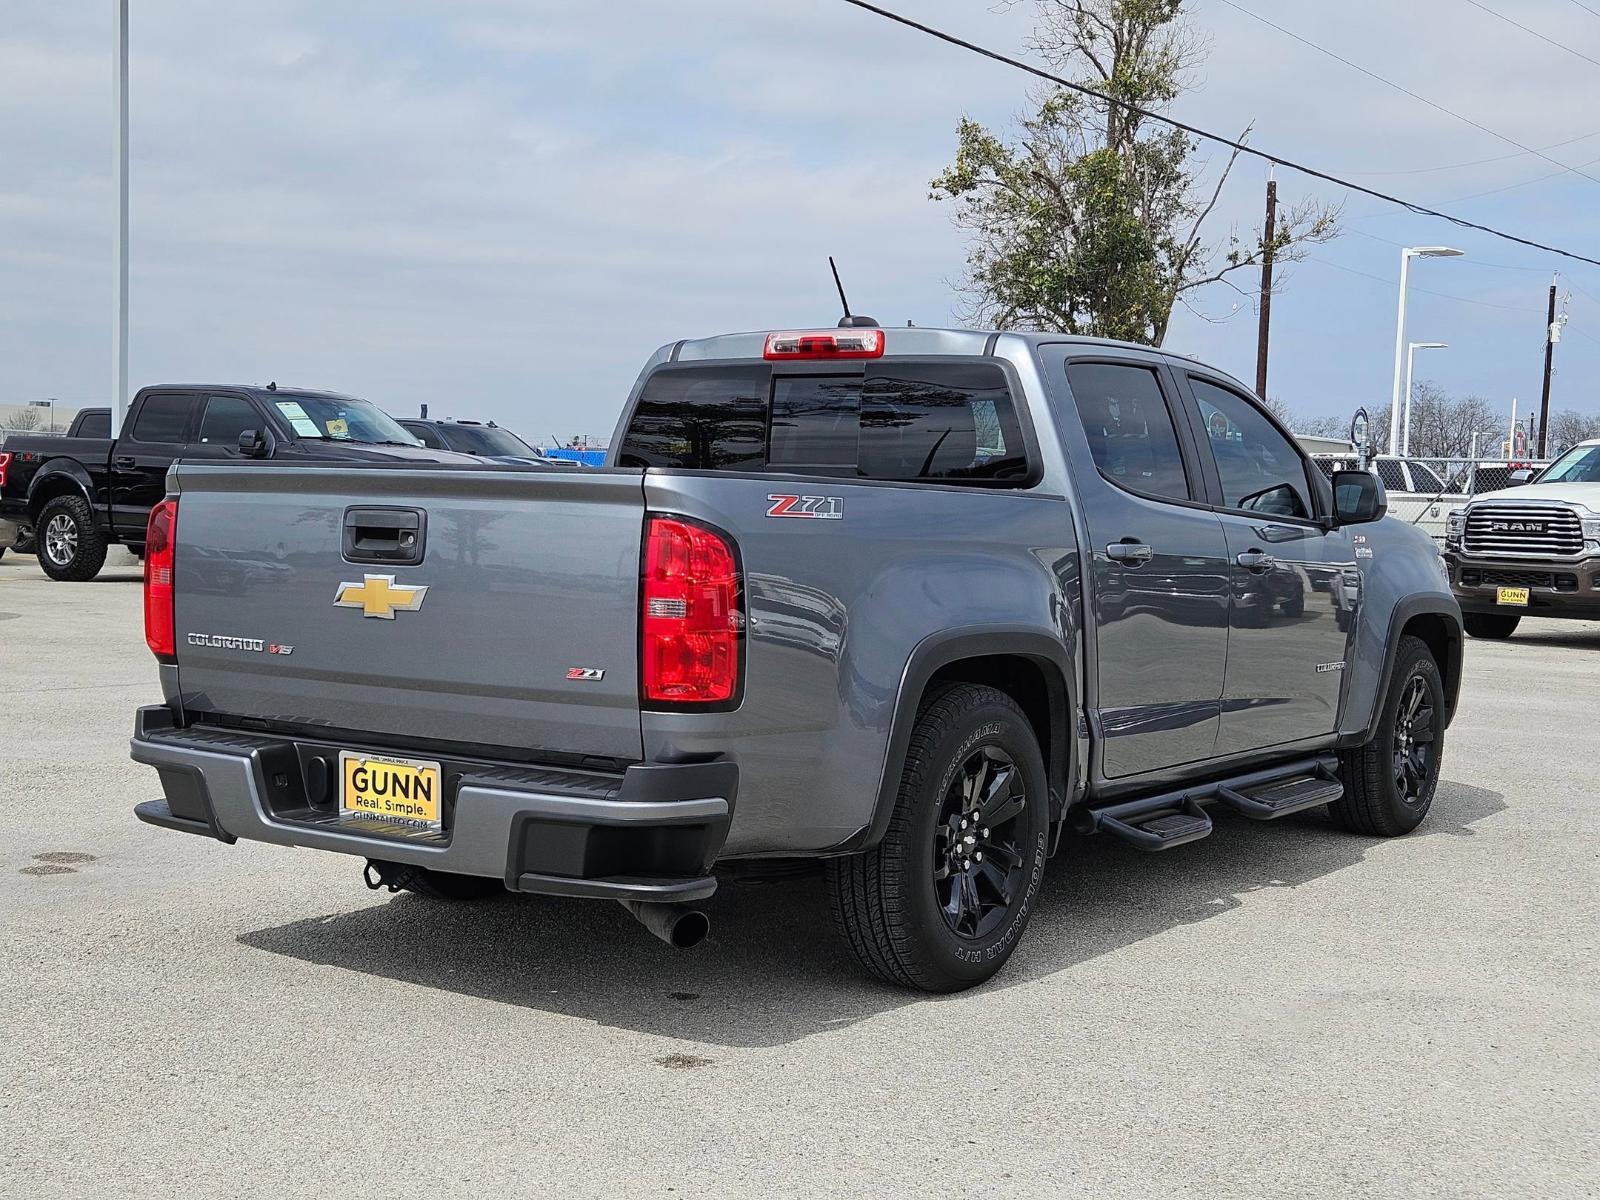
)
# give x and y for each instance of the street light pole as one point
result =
(1406, 255)
(119, 252)
(1411, 362)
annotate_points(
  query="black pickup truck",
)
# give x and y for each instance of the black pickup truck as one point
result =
(75, 496)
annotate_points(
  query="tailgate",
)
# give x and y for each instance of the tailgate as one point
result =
(530, 576)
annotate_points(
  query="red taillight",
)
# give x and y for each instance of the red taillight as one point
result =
(5, 461)
(825, 343)
(160, 539)
(691, 623)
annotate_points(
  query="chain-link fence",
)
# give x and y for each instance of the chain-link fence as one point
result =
(1436, 476)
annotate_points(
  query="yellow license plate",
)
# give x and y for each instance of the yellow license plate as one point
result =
(1511, 596)
(399, 791)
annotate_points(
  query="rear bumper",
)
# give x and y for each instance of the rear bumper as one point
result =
(1555, 588)
(651, 833)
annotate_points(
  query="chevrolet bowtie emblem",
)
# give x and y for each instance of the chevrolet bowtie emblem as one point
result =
(380, 596)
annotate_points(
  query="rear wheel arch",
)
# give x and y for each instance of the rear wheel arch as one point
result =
(1031, 667)
(60, 482)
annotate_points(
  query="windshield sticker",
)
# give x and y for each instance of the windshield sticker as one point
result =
(338, 428)
(292, 410)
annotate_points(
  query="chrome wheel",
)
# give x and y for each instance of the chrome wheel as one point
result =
(1413, 741)
(980, 843)
(61, 540)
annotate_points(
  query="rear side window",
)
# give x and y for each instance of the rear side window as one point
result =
(1129, 427)
(1389, 472)
(95, 425)
(162, 418)
(897, 420)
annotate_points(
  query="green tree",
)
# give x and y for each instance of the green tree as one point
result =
(1093, 219)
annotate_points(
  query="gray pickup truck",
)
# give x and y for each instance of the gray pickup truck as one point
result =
(909, 602)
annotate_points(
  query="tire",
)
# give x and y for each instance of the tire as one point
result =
(1295, 606)
(914, 910)
(1495, 626)
(1381, 796)
(24, 542)
(71, 547)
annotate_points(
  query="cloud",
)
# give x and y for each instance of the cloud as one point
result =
(501, 208)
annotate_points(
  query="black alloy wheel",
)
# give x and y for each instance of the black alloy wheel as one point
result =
(979, 843)
(1414, 734)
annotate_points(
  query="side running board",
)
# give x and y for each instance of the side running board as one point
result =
(1170, 819)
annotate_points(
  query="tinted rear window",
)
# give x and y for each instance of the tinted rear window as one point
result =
(897, 420)
(95, 425)
(700, 418)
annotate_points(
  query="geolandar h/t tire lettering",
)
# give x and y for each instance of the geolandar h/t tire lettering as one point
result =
(1389, 783)
(940, 903)
(70, 546)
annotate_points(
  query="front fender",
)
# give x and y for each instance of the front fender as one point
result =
(1401, 581)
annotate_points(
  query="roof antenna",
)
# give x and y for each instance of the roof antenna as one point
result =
(273, 386)
(848, 321)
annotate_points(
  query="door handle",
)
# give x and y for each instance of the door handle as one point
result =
(1129, 553)
(1256, 560)
(124, 463)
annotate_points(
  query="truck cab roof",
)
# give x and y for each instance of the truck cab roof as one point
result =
(913, 340)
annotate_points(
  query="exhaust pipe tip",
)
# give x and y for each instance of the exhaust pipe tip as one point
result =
(678, 925)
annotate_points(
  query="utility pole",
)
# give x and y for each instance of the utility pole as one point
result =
(1551, 333)
(119, 241)
(1269, 252)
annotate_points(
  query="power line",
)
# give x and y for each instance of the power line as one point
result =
(1479, 162)
(1510, 141)
(1586, 8)
(1535, 32)
(1472, 262)
(1392, 286)
(1511, 187)
(1231, 143)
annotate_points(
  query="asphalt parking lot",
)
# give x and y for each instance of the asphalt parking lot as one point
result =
(1281, 1010)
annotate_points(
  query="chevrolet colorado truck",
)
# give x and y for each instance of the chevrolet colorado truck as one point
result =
(910, 602)
(1530, 551)
(72, 497)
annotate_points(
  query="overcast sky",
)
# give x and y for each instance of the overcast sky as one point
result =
(500, 207)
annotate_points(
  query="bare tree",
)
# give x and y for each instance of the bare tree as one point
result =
(24, 420)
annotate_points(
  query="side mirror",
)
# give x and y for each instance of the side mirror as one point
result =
(1358, 497)
(1520, 476)
(253, 443)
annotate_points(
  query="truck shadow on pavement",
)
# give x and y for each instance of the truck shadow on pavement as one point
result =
(773, 970)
